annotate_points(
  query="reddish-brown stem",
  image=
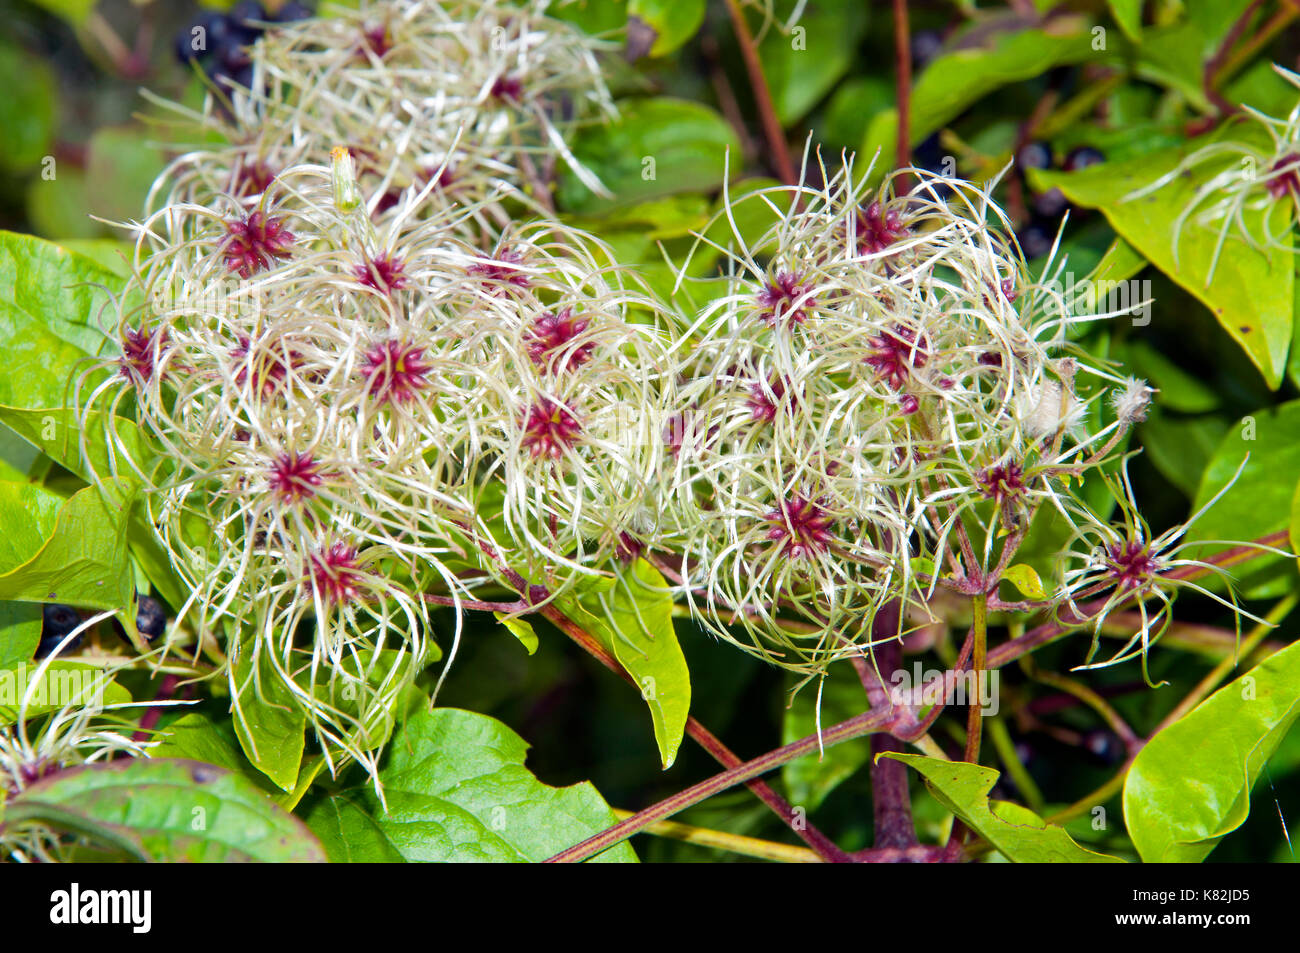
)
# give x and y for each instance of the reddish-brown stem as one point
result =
(772, 130)
(819, 842)
(903, 72)
(891, 800)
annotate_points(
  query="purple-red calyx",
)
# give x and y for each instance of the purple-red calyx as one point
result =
(295, 476)
(1131, 563)
(500, 270)
(552, 335)
(549, 429)
(784, 301)
(269, 365)
(1002, 481)
(384, 273)
(801, 527)
(895, 354)
(878, 229)
(765, 400)
(252, 178)
(1284, 177)
(254, 244)
(336, 573)
(137, 360)
(395, 371)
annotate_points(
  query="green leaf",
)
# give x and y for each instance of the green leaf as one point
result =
(169, 811)
(81, 559)
(62, 682)
(1180, 448)
(20, 632)
(349, 834)
(269, 722)
(121, 166)
(674, 21)
(27, 109)
(60, 292)
(1251, 294)
(1128, 14)
(1190, 785)
(634, 622)
(802, 66)
(1025, 578)
(74, 11)
(956, 79)
(810, 780)
(457, 790)
(1294, 530)
(1260, 501)
(1018, 833)
(521, 629)
(657, 147)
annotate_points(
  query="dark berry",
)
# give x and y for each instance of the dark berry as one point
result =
(233, 57)
(292, 11)
(1034, 155)
(1035, 240)
(150, 617)
(248, 14)
(1105, 747)
(1083, 157)
(203, 36)
(57, 623)
(1050, 204)
(926, 45)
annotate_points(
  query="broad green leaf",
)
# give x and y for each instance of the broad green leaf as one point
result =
(74, 11)
(169, 811)
(1025, 578)
(349, 834)
(1018, 833)
(1175, 55)
(62, 683)
(269, 721)
(802, 66)
(658, 146)
(634, 621)
(810, 780)
(59, 291)
(1251, 293)
(1190, 785)
(19, 460)
(521, 629)
(956, 79)
(56, 432)
(1178, 389)
(121, 166)
(1128, 14)
(1180, 447)
(198, 737)
(1294, 530)
(1260, 501)
(674, 21)
(27, 110)
(1120, 262)
(457, 790)
(57, 208)
(82, 559)
(20, 632)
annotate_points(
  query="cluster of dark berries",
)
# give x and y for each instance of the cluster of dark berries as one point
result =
(1046, 208)
(219, 42)
(59, 621)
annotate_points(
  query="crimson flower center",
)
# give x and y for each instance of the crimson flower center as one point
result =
(801, 527)
(395, 371)
(254, 244)
(550, 429)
